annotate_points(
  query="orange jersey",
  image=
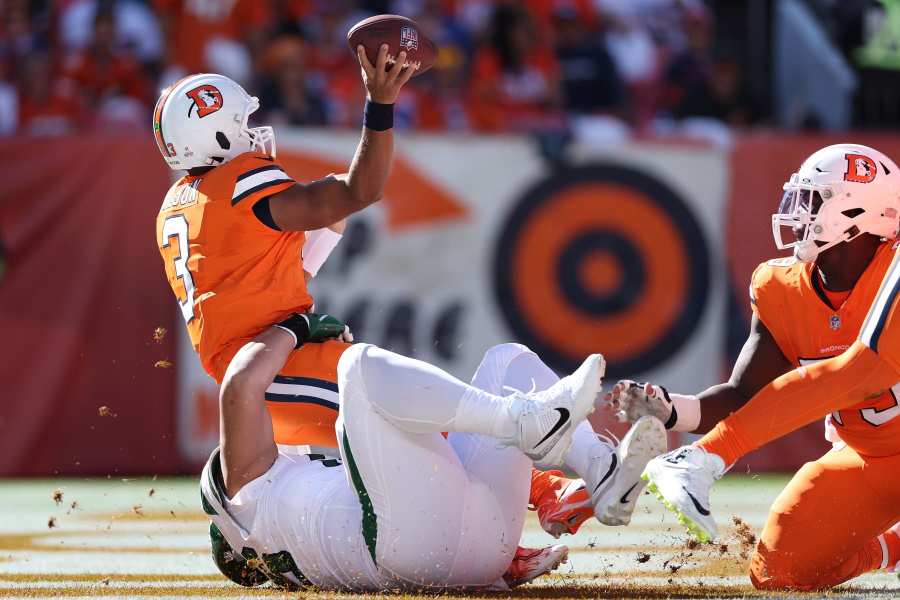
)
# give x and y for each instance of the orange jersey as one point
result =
(807, 329)
(232, 275)
(881, 330)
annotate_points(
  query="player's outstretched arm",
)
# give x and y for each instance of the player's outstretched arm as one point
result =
(324, 202)
(760, 362)
(246, 437)
(798, 398)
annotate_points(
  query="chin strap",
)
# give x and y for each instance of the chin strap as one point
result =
(808, 251)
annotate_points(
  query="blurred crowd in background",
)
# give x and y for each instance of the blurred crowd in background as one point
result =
(503, 66)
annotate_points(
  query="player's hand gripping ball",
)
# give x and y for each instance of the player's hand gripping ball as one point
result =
(390, 49)
(631, 401)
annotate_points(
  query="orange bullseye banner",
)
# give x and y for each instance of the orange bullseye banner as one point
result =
(642, 252)
(603, 252)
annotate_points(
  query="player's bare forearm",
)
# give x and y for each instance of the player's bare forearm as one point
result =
(324, 202)
(331, 200)
(759, 363)
(717, 402)
(371, 166)
(245, 428)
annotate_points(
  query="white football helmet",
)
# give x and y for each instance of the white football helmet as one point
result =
(201, 121)
(839, 193)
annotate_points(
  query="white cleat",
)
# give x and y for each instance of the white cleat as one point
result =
(614, 480)
(682, 479)
(547, 419)
(530, 563)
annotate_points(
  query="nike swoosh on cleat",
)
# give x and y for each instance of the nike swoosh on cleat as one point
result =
(612, 467)
(563, 419)
(624, 499)
(697, 505)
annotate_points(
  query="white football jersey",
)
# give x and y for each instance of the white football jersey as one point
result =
(301, 519)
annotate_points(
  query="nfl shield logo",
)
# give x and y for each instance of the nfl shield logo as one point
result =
(409, 39)
(834, 322)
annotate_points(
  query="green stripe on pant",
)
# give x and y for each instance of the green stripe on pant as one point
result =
(369, 520)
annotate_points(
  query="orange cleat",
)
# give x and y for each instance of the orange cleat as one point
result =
(530, 563)
(562, 504)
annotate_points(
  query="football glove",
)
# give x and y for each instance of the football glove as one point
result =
(632, 400)
(315, 328)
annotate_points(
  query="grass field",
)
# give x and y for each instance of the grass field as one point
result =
(143, 538)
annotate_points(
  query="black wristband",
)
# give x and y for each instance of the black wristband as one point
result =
(298, 325)
(378, 117)
(673, 418)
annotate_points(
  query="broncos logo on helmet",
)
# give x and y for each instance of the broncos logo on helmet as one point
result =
(207, 100)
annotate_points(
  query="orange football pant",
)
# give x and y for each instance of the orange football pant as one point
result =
(823, 527)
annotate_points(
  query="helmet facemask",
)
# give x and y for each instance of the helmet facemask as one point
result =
(262, 139)
(815, 222)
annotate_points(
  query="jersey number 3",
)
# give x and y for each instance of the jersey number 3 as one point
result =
(176, 226)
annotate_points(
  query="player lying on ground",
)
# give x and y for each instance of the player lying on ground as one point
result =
(404, 507)
(231, 231)
(829, 524)
(616, 488)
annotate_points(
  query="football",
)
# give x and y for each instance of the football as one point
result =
(399, 33)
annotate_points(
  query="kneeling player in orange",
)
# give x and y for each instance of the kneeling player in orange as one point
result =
(844, 203)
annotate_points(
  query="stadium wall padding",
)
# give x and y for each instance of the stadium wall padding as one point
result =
(632, 250)
(80, 298)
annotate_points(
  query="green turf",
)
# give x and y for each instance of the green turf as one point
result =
(119, 539)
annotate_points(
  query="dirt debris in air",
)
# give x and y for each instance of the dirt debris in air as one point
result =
(678, 561)
(51, 522)
(642, 557)
(163, 364)
(138, 510)
(58, 496)
(744, 532)
(151, 492)
(745, 536)
(159, 334)
(104, 411)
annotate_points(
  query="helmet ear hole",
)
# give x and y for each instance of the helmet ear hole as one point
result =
(223, 141)
(853, 212)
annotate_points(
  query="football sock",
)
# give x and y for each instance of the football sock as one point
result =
(585, 447)
(420, 398)
(889, 545)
